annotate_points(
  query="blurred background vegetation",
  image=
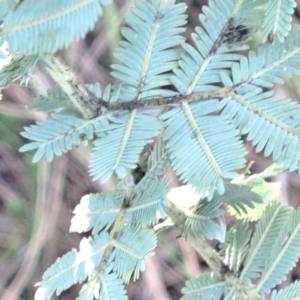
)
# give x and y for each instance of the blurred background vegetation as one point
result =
(37, 200)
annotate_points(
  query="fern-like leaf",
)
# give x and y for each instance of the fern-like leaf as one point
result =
(292, 292)
(193, 134)
(19, 68)
(37, 27)
(58, 135)
(200, 224)
(97, 212)
(54, 101)
(208, 286)
(200, 69)
(278, 19)
(147, 207)
(268, 65)
(239, 197)
(282, 258)
(276, 127)
(268, 230)
(73, 267)
(120, 149)
(103, 286)
(272, 123)
(146, 55)
(253, 200)
(235, 247)
(130, 251)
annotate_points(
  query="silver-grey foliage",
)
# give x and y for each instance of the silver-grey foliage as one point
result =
(193, 102)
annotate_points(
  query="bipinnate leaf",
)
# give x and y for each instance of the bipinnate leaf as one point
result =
(57, 135)
(73, 267)
(292, 292)
(201, 222)
(207, 286)
(250, 201)
(204, 147)
(130, 251)
(97, 212)
(147, 207)
(105, 286)
(278, 19)
(119, 150)
(235, 246)
(148, 53)
(37, 27)
(282, 257)
(268, 231)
